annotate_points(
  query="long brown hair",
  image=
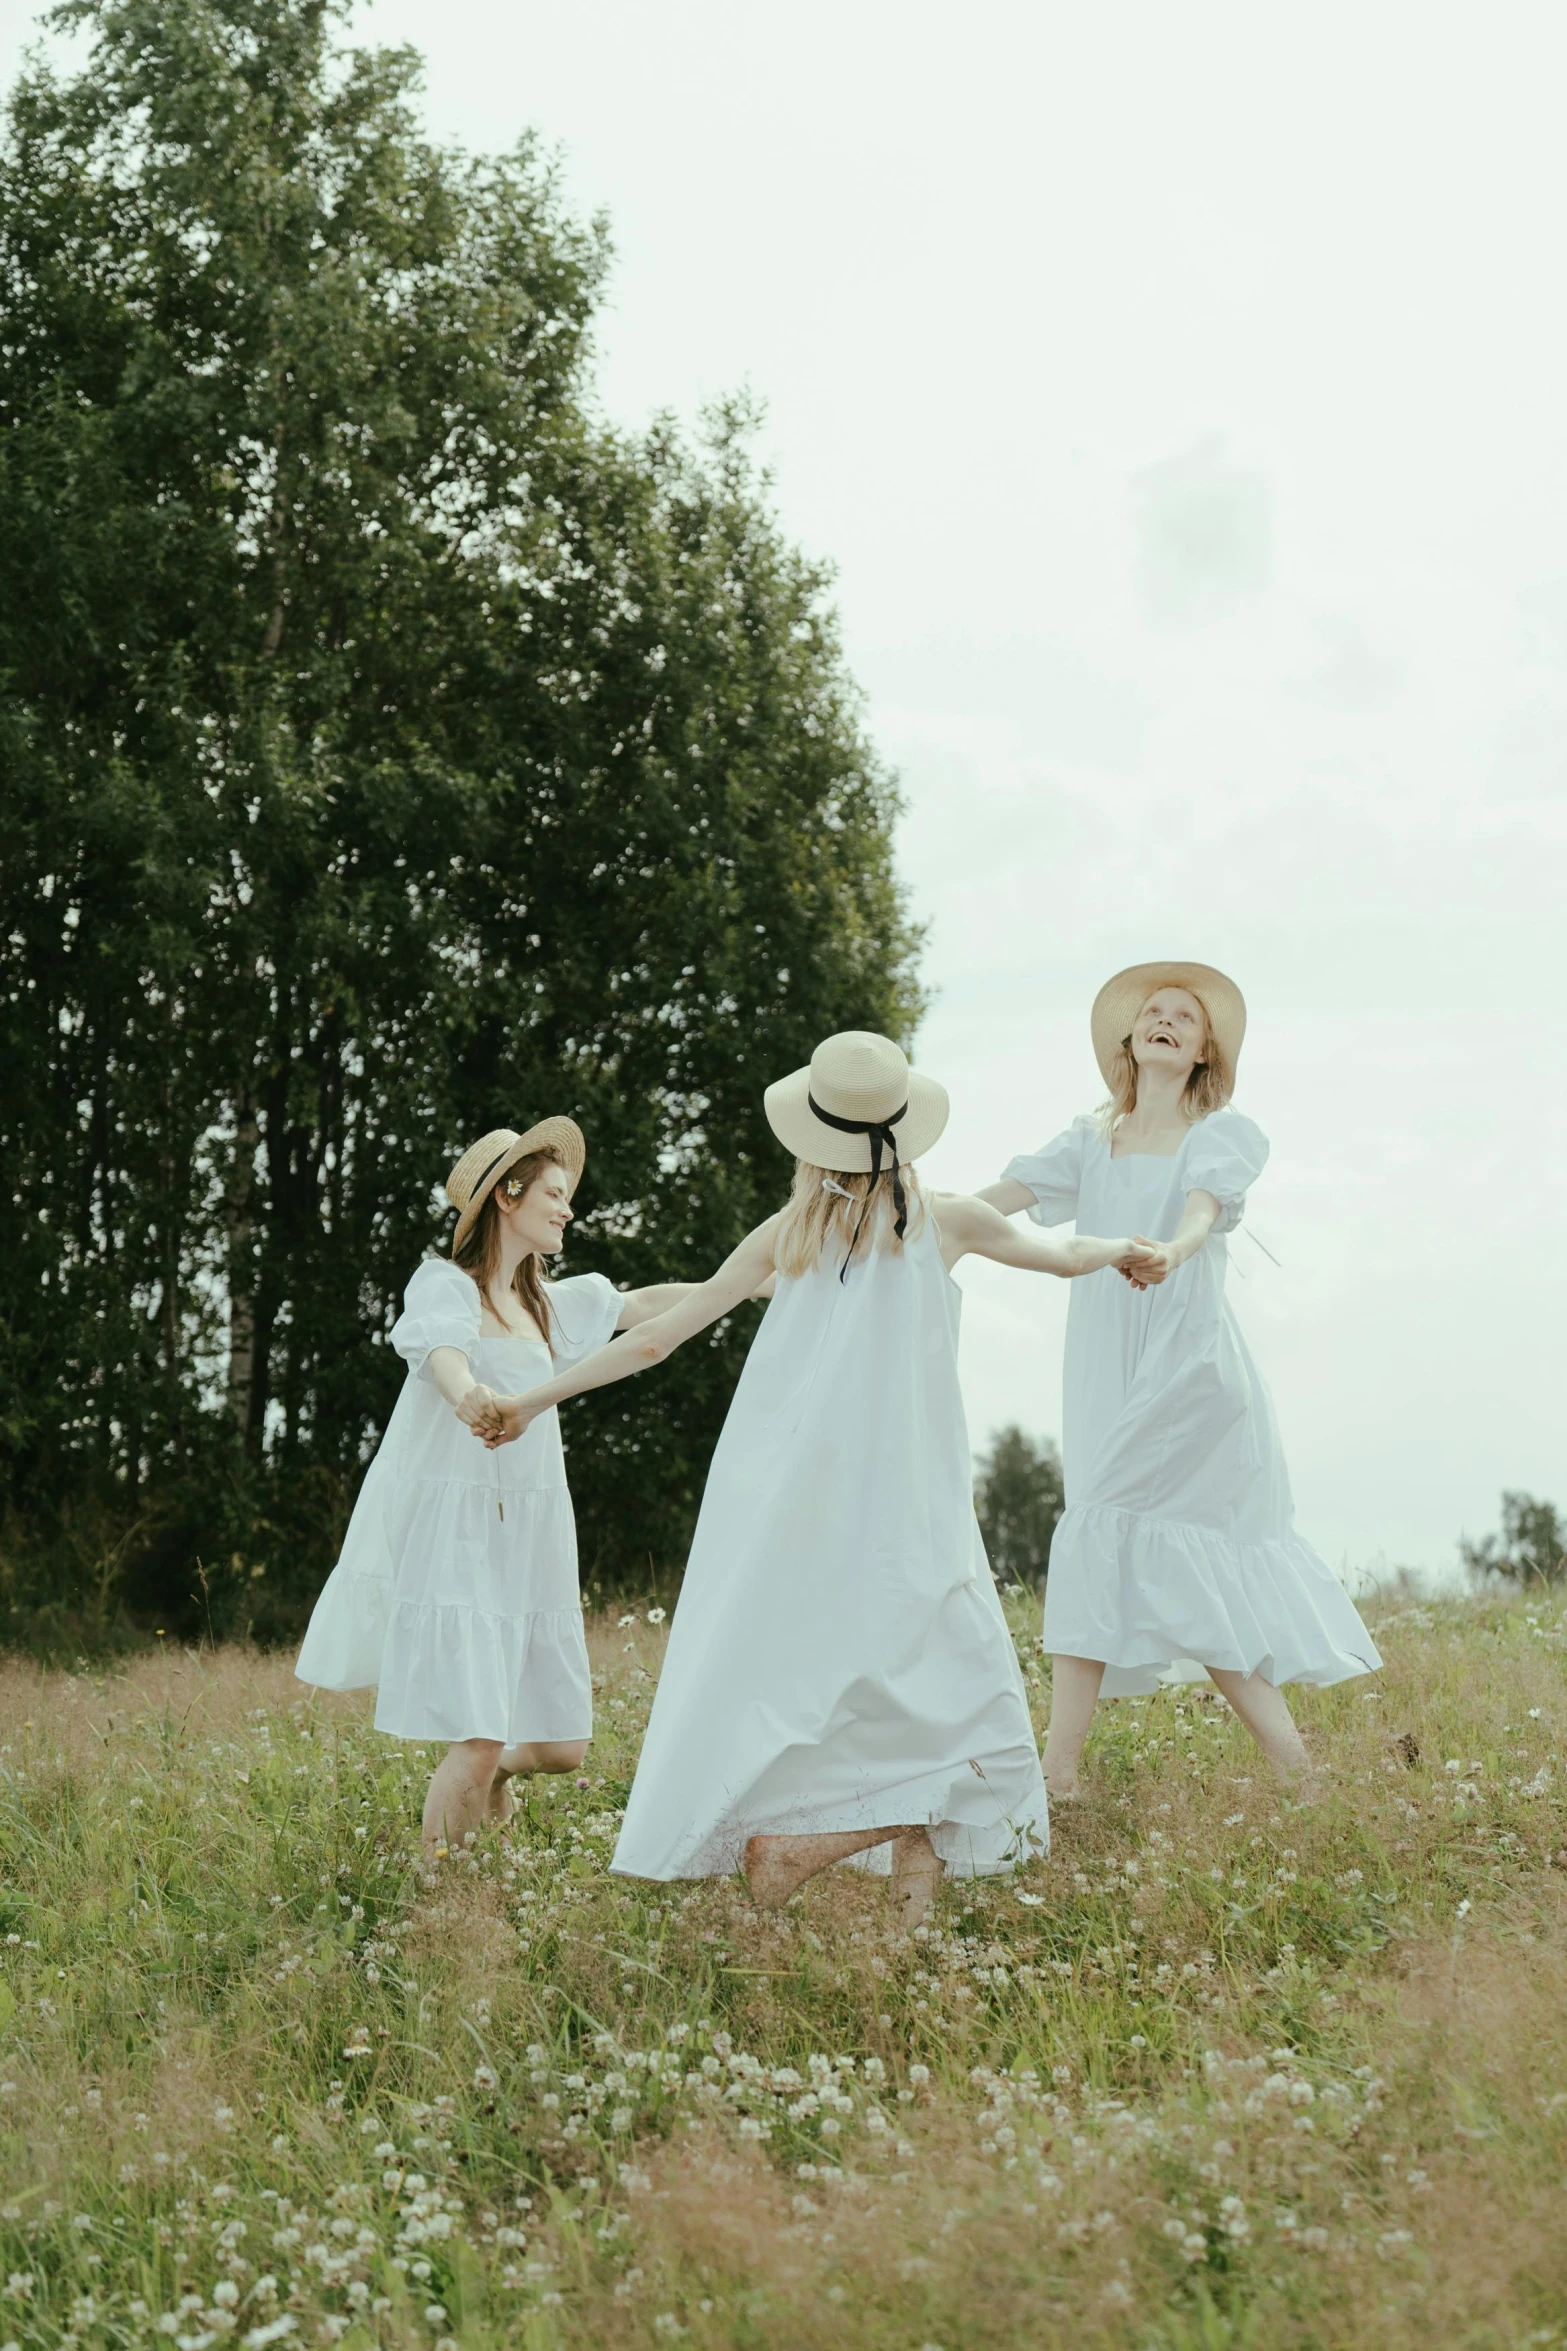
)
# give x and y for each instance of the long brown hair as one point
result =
(817, 1214)
(1204, 1089)
(480, 1253)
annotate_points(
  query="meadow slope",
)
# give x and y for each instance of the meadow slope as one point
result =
(1227, 2070)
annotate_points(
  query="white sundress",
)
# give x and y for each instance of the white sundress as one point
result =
(839, 1659)
(456, 1591)
(1178, 1540)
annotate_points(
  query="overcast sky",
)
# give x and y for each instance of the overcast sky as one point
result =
(1179, 393)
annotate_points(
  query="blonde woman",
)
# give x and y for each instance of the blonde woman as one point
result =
(456, 1593)
(1178, 1541)
(839, 1676)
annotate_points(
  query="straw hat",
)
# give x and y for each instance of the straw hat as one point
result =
(1120, 1000)
(484, 1163)
(866, 1082)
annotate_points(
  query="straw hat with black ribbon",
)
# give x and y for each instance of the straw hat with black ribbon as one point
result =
(857, 1105)
(1120, 1000)
(483, 1164)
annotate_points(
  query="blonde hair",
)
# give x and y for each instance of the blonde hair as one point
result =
(480, 1252)
(818, 1218)
(1204, 1091)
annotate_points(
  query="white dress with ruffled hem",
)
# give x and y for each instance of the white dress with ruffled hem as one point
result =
(456, 1593)
(1178, 1541)
(838, 1658)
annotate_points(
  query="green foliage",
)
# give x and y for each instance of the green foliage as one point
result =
(389, 750)
(1019, 1496)
(1532, 1548)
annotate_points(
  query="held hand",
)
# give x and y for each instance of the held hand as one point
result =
(1125, 1256)
(1148, 1263)
(508, 1417)
(475, 1406)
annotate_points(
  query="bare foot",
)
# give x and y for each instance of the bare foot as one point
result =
(916, 1873)
(777, 1867)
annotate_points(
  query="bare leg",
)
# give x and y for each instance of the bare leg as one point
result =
(917, 1871)
(459, 1794)
(548, 1755)
(1262, 1709)
(777, 1867)
(1074, 1693)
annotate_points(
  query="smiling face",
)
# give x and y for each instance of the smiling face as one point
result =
(1171, 1033)
(539, 1213)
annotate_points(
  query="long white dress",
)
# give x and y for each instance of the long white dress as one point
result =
(456, 1589)
(1178, 1540)
(838, 1658)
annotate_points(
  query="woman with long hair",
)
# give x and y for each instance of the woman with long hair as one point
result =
(839, 1677)
(456, 1592)
(1178, 1541)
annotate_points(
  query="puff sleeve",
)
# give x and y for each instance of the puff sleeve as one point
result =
(584, 1309)
(1053, 1174)
(440, 1309)
(1226, 1155)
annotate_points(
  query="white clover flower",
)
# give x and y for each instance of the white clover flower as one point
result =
(485, 2077)
(225, 2294)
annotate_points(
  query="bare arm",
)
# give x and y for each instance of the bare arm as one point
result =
(1008, 1195)
(638, 1306)
(449, 1372)
(972, 1226)
(653, 1298)
(1197, 1222)
(740, 1276)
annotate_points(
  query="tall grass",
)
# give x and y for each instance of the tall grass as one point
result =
(1227, 2070)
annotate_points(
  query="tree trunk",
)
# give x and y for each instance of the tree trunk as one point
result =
(241, 1266)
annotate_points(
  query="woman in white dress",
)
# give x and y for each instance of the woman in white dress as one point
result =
(839, 1675)
(456, 1591)
(1178, 1541)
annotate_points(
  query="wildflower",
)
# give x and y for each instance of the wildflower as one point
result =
(435, 2314)
(656, 1616)
(225, 2294)
(1030, 1901)
(623, 1621)
(485, 2077)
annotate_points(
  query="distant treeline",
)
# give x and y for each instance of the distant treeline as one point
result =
(390, 750)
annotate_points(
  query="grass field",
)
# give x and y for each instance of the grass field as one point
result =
(1227, 2070)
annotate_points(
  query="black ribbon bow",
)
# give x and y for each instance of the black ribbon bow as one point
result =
(882, 1138)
